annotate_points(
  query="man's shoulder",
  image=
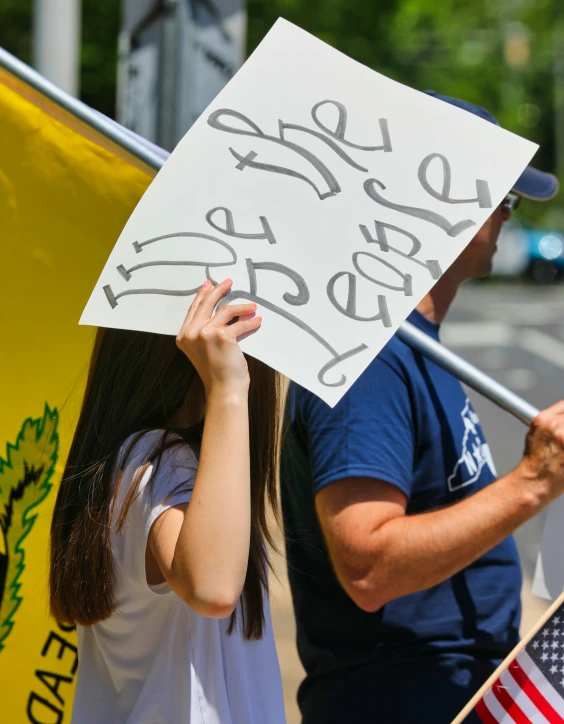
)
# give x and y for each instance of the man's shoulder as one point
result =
(396, 353)
(397, 361)
(396, 366)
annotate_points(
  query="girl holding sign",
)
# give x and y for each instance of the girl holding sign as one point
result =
(158, 535)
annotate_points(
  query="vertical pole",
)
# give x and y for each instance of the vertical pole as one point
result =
(169, 74)
(56, 42)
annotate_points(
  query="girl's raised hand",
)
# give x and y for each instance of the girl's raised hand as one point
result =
(210, 342)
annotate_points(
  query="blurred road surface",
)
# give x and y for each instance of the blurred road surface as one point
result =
(516, 335)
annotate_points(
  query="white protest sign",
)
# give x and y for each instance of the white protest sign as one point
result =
(333, 197)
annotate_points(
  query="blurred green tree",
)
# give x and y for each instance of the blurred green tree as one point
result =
(98, 61)
(497, 53)
(98, 56)
(15, 28)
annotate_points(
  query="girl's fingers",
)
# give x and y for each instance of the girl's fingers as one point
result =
(210, 301)
(230, 311)
(202, 291)
(244, 326)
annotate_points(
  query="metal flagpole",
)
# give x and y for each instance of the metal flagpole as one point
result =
(472, 376)
(155, 157)
(136, 145)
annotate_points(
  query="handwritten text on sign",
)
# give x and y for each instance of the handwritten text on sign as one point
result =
(334, 198)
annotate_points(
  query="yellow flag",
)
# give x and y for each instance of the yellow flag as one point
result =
(65, 194)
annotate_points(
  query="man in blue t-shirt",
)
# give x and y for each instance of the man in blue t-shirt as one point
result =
(404, 577)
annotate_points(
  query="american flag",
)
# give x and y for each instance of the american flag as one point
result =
(531, 688)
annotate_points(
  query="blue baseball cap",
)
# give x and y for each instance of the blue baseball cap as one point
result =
(532, 184)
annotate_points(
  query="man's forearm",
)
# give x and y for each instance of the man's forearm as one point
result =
(411, 553)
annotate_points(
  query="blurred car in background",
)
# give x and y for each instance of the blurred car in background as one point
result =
(546, 255)
(534, 253)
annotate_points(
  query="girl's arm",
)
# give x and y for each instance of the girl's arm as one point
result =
(202, 549)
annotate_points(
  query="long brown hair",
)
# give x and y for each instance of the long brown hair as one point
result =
(137, 382)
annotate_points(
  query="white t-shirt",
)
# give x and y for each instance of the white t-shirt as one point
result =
(155, 660)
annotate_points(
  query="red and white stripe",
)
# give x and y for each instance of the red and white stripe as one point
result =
(522, 695)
